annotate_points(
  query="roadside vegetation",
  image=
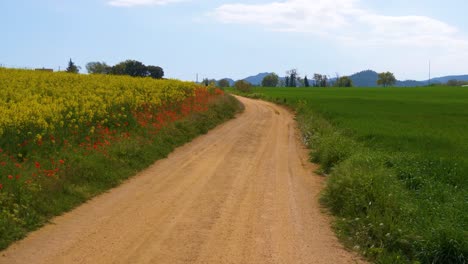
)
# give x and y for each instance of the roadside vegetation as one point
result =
(65, 138)
(396, 165)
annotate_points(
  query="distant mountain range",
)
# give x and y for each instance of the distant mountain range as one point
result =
(367, 78)
(254, 80)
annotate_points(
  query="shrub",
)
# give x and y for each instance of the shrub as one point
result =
(243, 86)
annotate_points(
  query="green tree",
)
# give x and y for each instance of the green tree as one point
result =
(286, 79)
(155, 72)
(208, 82)
(130, 67)
(452, 83)
(317, 79)
(320, 80)
(306, 81)
(72, 68)
(271, 80)
(223, 83)
(98, 68)
(456, 83)
(344, 81)
(386, 79)
(118, 69)
(243, 86)
(292, 77)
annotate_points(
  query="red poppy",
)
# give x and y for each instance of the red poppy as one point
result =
(37, 164)
(10, 177)
(61, 161)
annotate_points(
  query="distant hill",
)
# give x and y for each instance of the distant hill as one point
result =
(367, 78)
(448, 78)
(410, 83)
(256, 79)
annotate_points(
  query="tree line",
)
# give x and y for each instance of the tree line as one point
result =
(132, 68)
(293, 79)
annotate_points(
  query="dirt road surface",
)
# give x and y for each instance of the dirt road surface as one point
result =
(243, 193)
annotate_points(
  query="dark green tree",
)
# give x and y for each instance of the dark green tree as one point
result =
(271, 80)
(292, 77)
(155, 72)
(324, 82)
(287, 81)
(452, 83)
(118, 69)
(344, 81)
(386, 79)
(223, 83)
(317, 79)
(72, 68)
(98, 68)
(130, 67)
(306, 81)
(243, 86)
(208, 82)
(320, 80)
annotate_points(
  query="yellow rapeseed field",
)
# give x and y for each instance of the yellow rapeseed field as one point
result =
(31, 100)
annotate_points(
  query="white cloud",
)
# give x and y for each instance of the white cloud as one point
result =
(130, 3)
(344, 20)
(292, 15)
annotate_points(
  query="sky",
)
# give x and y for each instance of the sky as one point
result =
(239, 38)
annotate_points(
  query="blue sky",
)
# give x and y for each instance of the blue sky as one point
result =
(237, 38)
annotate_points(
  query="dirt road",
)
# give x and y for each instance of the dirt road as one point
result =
(243, 193)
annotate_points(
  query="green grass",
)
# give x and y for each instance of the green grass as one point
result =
(397, 166)
(88, 175)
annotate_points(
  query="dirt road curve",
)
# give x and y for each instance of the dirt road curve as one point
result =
(243, 193)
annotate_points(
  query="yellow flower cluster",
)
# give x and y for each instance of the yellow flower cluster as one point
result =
(48, 101)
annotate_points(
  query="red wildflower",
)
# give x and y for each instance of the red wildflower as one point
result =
(1, 186)
(18, 176)
(37, 164)
(62, 161)
(3, 163)
(10, 177)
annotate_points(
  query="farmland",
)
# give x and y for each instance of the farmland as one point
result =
(60, 135)
(396, 161)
